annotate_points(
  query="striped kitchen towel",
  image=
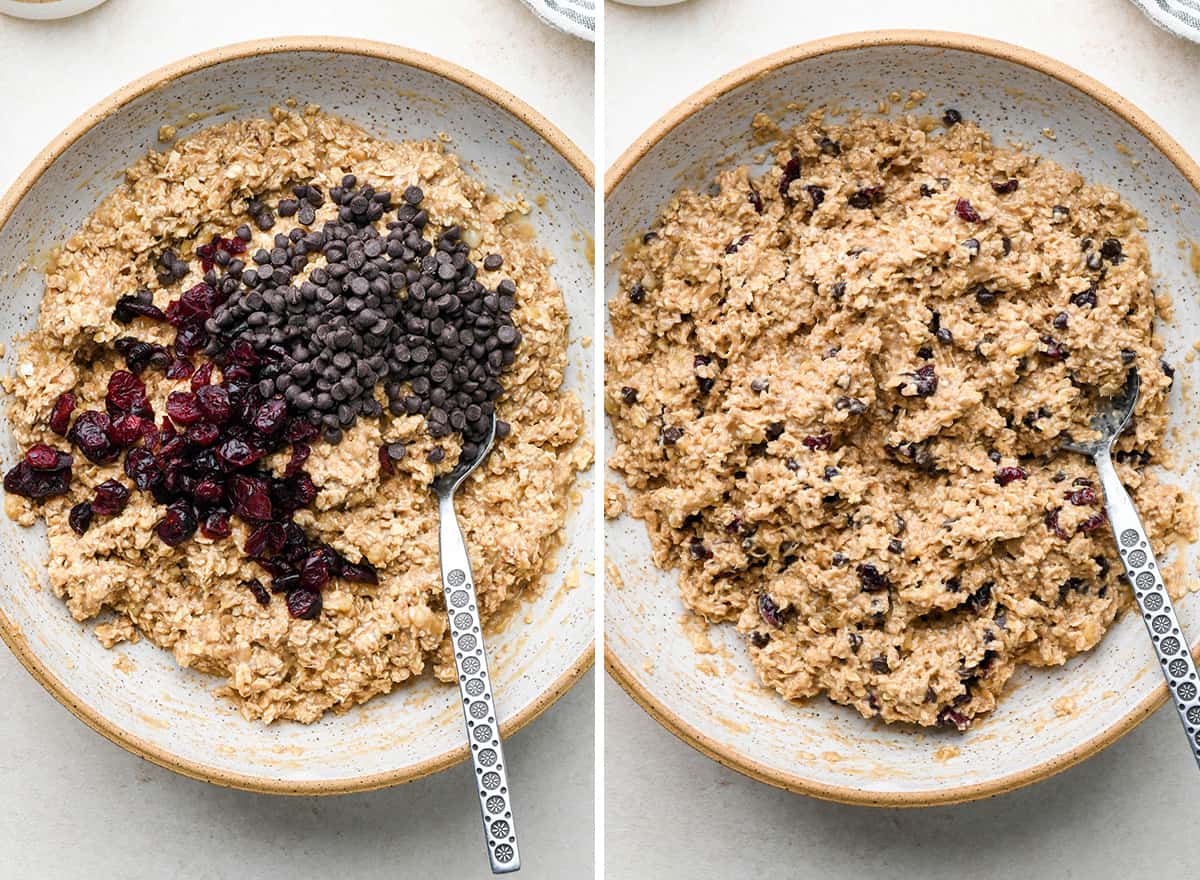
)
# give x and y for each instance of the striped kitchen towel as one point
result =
(1180, 17)
(576, 17)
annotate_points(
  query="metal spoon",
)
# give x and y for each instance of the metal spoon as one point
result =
(1141, 569)
(474, 680)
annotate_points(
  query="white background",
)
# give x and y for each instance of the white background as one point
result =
(72, 805)
(1131, 812)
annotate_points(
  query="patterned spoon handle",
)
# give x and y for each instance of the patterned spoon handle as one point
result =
(1145, 580)
(474, 685)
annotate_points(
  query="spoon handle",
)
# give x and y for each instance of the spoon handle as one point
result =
(1145, 579)
(475, 688)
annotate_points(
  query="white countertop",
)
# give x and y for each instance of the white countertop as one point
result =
(671, 812)
(73, 805)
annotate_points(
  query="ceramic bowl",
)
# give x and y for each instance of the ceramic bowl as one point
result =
(168, 714)
(1050, 719)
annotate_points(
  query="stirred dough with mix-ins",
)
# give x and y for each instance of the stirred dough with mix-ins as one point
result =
(839, 391)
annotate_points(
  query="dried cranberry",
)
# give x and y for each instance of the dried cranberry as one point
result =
(213, 401)
(756, 200)
(671, 435)
(178, 525)
(270, 416)
(130, 307)
(966, 211)
(1093, 522)
(46, 458)
(190, 339)
(266, 540)
(243, 354)
(1052, 349)
(90, 434)
(733, 246)
(284, 579)
(250, 496)
(924, 381)
(180, 369)
(254, 585)
(111, 498)
(202, 376)
(25, 481)
(816, 193)
(1085, 297)
(948, 717)
(356, 572)
(142, 468)
(1006, 475)
(183, 408)
(769, 611)
(202, 434)
(1004, 187)
(791, 172)
(980, 599)
(817, 441)
(126, 429)
(871, 579)
(1082, 497)
(296, 491)
(301, 451)
(866, 197)
(300, 429)
(759, 639)
(209, 491)
(295, 545)
(126, 394)
(80, 517)
(303, 603)
(195, 305)
(314, 571)
(60, 415)
(239, 453)
(216, 525)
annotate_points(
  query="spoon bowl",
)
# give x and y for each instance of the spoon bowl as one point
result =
(1110, 422)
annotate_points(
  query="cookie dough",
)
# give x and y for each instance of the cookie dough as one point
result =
(839, 390)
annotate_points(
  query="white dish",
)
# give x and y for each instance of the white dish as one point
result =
(820, 748)
(169, 714)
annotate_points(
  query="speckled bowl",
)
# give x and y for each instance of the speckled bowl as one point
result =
(827, 750)
(168, 714)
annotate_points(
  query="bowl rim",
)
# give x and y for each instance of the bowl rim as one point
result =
(12, 635)
(721, 752)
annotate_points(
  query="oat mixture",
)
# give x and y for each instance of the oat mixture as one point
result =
(839, 389)
(360, 488)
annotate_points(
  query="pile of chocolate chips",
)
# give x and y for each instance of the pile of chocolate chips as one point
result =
(388, 309)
